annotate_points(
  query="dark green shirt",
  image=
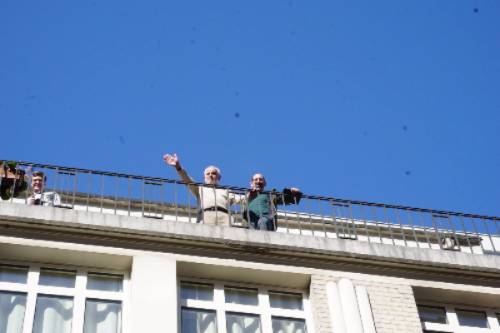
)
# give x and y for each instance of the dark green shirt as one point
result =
(260, 205)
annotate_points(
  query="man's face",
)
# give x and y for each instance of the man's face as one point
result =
(37, 184)
(258, 182)
(212, 176)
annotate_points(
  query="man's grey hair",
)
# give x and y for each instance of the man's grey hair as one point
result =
(212, 167)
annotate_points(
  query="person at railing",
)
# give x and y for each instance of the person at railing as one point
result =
(38, 195)
(214, 202)
(260, 212)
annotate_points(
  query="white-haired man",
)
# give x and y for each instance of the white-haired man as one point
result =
(214, 202)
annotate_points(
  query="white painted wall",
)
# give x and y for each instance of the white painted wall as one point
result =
(153, 296)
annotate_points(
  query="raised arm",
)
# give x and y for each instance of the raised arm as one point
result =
(173, 161)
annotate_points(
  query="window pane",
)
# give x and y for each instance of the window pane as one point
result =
(102, 316)
(288, 325)
(240, 323)
(57, 278)
(285, 301)
(203, 292)
(16, 274)
(105, 282)
(198, 321)
(12, 307)
(241, 296)
(431, 314)
(53, 314)
(472, 318)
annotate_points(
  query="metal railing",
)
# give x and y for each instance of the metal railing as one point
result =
(170, 200)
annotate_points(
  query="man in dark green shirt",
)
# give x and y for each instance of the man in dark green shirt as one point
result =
(261, 207)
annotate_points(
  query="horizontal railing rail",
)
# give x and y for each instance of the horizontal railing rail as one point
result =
(171, 200)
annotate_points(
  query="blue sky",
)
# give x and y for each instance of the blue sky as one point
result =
(386, 101)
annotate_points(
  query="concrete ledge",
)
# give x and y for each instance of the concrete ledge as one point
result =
(251, 241)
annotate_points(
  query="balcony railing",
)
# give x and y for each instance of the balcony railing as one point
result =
(170, 200)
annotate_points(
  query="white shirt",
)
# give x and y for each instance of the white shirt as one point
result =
(45, 199)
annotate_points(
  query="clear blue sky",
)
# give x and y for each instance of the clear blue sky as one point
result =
(386, 101)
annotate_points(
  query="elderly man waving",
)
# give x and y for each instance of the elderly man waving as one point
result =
(214, 202)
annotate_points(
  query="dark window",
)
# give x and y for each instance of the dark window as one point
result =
(432, 314)
(472, 318)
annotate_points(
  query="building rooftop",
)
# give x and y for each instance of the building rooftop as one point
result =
(156, 213)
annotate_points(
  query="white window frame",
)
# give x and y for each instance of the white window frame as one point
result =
(263, 309)
(79, 293)
(453, 326)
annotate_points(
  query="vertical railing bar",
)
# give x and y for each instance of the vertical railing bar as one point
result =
(466, 234)
(352, 222)
(247, 209)
(455, 236)
(477, 234)
(75, 187)
(13, 189)
(298, 219)
(374, 212)
(321, 211)
(117, 184)
(410, 220)
(200, 213)
(102, 192)
(27, 176)
(56, 183)
(129, 194)
(335, 223)
(363, 217)
(228, 208)
(215, 206)
(142, 196)
(389, 223)
(176, 207)
(89, 189)
(286, 220)
(398, 218)
(438, 237)
(489, 234)
(310, 217)
(189, 199)
(426, 234)
(163, 204)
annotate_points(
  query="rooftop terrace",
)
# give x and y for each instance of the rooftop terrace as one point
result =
(166, 200)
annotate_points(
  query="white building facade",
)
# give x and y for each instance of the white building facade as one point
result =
(84, 270)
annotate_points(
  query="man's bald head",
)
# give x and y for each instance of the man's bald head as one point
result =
(258, 182)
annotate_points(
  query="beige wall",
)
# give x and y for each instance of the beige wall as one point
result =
(393, 305)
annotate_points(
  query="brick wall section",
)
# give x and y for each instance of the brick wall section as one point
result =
(393, 305)
(319, 304)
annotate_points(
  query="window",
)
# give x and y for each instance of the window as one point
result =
(63, 300)
(472, 318)
(208, 307)
(451, 318)
(432, 314)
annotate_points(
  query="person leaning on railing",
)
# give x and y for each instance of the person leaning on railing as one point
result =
(38, 196)
(260, 212)
(214, 202)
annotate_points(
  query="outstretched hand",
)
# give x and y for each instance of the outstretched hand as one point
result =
(172, 160)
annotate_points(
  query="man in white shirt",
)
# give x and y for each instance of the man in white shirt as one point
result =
(38, 195)
(214, 202)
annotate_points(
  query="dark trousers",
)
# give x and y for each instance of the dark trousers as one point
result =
(261, 222)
